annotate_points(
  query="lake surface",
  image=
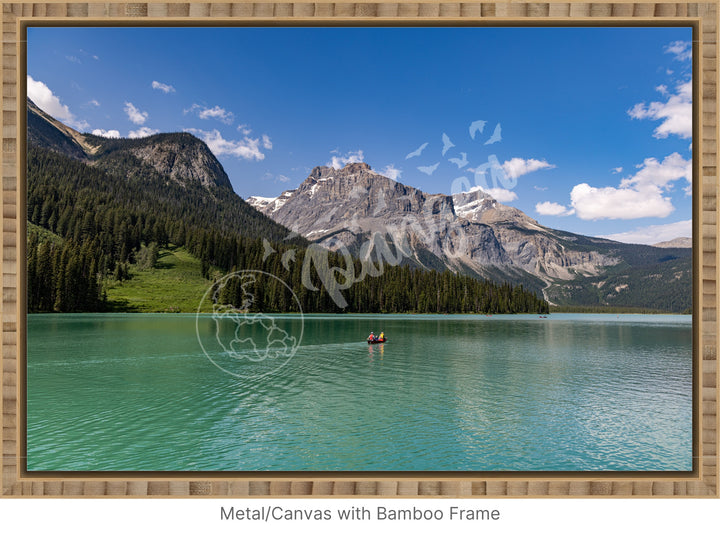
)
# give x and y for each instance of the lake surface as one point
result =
(568, 392)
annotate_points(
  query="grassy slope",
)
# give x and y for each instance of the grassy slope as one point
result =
(173, 285)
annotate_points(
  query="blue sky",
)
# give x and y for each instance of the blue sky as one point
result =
(592, 125)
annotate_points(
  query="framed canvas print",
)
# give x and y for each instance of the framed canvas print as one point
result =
(359, 249)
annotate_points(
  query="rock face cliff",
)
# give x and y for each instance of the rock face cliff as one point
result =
(469, 232)
(179, 156)
(182, 157)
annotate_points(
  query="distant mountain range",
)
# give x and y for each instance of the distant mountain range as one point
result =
(677, 242)
(376, 217)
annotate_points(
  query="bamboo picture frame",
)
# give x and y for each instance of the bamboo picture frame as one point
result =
(701, 482)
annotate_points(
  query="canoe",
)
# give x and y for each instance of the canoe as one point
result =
(379, 341)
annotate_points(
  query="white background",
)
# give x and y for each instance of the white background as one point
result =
(517, 515)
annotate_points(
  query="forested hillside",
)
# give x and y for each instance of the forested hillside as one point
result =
(111, 217)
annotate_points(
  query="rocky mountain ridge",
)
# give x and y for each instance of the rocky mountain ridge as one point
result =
(375, 217)
(468, 231)
(174, 172)
(180, 156)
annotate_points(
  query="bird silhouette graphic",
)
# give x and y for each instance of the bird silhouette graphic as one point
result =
(428, 170)
(460, 162)
(267, 249)
(287, 257)
(476, 126)
(417, 152)
(495, 136)
(447, 144)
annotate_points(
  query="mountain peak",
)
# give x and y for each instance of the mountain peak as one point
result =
(355, 167)
(179, 156)
(479, 206)
(325, 171)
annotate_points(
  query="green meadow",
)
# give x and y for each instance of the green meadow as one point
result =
(174, 284)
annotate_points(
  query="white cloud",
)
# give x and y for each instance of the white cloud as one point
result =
(267, 144)
(500, 194)
(94, 103)
(73, 59)
(106, 133)
(391, 171)
(44, 98)
(517, 166)
(247, 148)
(134, 114)
(142, 132)
(244, 129)
(613, 203)
(682, 50)
(41, 95)
(216, 112)
(641, 195)
(661, 174)
(662, 89)
(338, 162)
(552, 208)
(165, 88)
(675, 114)
(654, 233)
(88, 54)
(616, 170)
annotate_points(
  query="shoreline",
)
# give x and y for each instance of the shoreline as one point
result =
(366, 314)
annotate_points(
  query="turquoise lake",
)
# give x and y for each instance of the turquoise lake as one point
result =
(451, 393)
